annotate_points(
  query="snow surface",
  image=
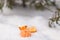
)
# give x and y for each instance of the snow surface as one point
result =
(10, 21)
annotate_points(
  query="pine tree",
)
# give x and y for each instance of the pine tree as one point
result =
(1, 4)
(10, 3)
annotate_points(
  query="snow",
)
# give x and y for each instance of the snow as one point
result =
(9, 24)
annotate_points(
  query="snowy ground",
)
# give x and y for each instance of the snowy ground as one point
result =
(9, 24)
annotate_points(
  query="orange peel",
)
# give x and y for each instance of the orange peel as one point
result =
(23, 27)
(25, 33)
(32, 29)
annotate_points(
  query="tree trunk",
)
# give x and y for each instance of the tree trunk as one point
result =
(24, 5)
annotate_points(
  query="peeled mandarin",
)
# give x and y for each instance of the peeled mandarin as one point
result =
(23, 27)
(32, 29)
(25, 33)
